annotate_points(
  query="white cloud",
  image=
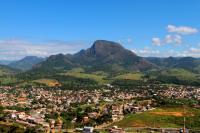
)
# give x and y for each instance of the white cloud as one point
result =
(129, 40)
(173, 39)
(16, 49)
(184, 30)
(156, 41)
(169, 39)
(195, 50)
(175, 35)
(147, 52)
(125, 40)
(155, 53)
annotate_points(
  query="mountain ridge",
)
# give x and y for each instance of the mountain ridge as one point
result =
(102, 55)
(188, 63)
(26, 63)
(107, 61)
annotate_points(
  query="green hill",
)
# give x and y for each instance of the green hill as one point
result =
(178, 76)
(7, 75)
(166, 117)
(4, 70)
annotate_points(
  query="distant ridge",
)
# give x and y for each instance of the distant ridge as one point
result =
(188, 63)
(26, 63)
(5, 62)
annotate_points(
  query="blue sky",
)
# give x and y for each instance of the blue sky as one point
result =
(147, 27)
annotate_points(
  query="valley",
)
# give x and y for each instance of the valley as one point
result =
(103, 87)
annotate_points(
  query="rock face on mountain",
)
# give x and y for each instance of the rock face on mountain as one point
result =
(102, 55)
(106, 55)
(26, 63)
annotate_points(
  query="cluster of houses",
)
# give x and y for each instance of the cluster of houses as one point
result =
(40, 101)
(179, 92)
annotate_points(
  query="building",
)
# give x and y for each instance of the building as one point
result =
(88, 130)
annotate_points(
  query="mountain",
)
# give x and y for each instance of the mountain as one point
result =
(107, 55)
(26, 63)
(109, 62)
(187, 63)
(101, 56)
(5, 62)
(56, 62)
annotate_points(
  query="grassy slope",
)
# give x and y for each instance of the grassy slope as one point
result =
(181, 74)
(162, 117)
(130, 76)
(79, 73)
(101, 77)
(5, 75)
(5, 71)
(7, 80)
(48, 82)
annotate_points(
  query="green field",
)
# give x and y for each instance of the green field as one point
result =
(79, 73)
(180, 73)
(177, 76)
(163, 117)
(7, 75)
(130, 76)
(4, 72)
(7, 80)
(101, 77)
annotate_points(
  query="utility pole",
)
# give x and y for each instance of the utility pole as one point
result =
(184, 130)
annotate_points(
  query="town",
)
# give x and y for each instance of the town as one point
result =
(58, 110)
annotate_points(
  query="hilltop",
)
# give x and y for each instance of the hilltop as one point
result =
(101, 56)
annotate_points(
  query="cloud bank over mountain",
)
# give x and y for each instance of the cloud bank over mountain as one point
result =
(16, 49)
